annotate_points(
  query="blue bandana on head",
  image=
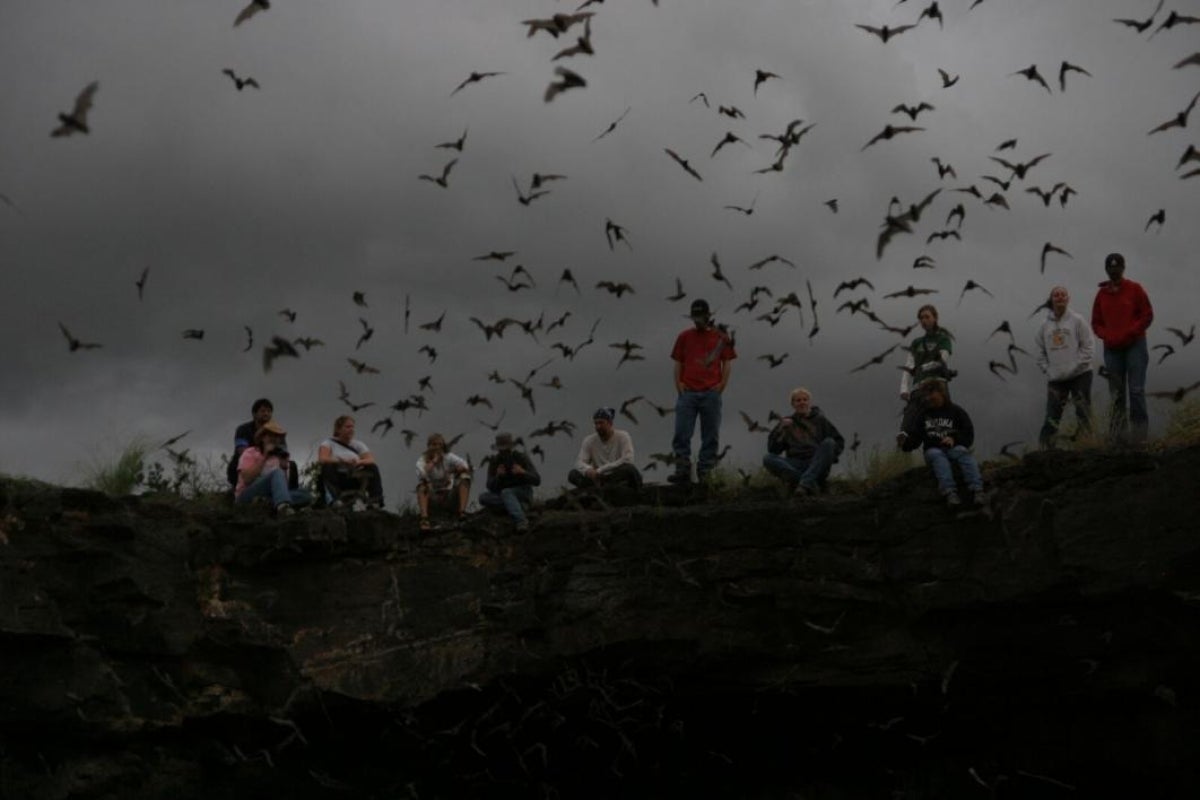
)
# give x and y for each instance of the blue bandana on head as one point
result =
(605, 413)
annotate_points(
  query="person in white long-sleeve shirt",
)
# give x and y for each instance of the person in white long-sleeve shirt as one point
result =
(1065, 351)
(606, 456)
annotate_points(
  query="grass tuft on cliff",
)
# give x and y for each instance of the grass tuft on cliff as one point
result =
(879, 465)
(122, 475)
(1183, 424)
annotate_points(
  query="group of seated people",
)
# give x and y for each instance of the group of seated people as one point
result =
(262, 467)
(802, 449)
(444, 479)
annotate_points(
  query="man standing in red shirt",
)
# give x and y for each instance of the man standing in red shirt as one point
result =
(1121, 314)
(702, 355)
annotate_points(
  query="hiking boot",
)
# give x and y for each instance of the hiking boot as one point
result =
(953, 500)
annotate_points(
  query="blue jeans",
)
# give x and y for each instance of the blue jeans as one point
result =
(274, 485)
(940, 460)
(805, 472)
(1127, 370)
(689, 405)
(510, 500)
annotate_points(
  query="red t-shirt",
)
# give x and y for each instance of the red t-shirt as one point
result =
(701, 353)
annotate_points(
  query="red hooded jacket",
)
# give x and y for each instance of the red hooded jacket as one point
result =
(1121, 313)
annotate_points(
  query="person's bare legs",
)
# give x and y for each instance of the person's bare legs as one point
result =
(423, 499)
(464, 495)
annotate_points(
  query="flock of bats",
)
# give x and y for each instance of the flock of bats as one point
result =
(901, 219)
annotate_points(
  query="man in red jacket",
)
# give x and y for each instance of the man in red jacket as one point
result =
(1121, 314)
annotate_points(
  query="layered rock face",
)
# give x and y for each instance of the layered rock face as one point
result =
(847, 646)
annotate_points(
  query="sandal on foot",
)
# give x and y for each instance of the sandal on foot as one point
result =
(425, 524)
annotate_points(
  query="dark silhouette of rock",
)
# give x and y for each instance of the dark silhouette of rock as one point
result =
(843, 646)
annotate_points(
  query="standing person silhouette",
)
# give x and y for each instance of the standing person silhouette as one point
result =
(702, 356)
(1121, 313)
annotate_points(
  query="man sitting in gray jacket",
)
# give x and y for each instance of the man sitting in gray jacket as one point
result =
(803, 447)
(1065, 350)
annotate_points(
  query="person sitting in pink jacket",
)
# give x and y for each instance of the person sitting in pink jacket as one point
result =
(263, 472)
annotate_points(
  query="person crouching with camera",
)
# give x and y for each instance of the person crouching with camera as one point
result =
(511, 477)
(263, 472)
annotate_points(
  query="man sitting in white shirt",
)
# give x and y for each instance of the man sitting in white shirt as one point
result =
(606, 456)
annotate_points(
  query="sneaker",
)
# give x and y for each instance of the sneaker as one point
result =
(953, 500)
(284, 510)
(979, 498)
(804, 490)
(522, 526)
(679, 477)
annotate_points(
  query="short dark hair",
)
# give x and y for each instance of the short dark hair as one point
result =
(259, 403)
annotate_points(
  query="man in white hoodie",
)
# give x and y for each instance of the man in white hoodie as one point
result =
(1065, 351)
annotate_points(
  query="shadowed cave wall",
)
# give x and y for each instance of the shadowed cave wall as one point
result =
(850, 646)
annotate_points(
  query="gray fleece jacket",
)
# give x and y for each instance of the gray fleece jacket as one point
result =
(1065, 347)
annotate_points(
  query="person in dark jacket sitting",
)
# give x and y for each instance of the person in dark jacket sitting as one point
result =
(945, 431)
(803, 447)
(511, 477)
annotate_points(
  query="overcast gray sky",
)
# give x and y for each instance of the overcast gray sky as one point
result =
(300, 193)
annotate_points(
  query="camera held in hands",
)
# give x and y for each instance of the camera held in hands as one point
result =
(279, 452)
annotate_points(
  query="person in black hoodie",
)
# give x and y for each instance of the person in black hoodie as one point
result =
(945, 431)
(803, 447)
